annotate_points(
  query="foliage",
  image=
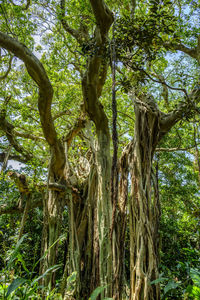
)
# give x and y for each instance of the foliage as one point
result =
(156, 44)
(28, 285)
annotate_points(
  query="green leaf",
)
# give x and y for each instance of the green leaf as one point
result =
(171, 286)
(53, 269)
(20, 259)
(46, 252)
(196, 292)
(96, 292)
(193, 291)
(15, 252)
(14, 285)
(161, 279)
(31, 291)
(195, 275)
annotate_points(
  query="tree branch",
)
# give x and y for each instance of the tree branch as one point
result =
(174, 149)
(77, 34)
(12, 157)
(62, 113)
(38, 74)
(28, 3)
(16, 209)
(104, 17)
(8, 70)
(80, 124)
(95, 75)
(102, 78)
(133, 7)
(164, 83)
(57, 187)
(20, 181)
(6, 157)
(90, 96)
(8, 128)
(165, 93)
(28, 135)
(183, 111)
(191, 52)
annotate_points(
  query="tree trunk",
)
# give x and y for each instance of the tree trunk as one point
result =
(52, 218)
(83, 249)
(119, 230)
(90, 245)
(90, 219)
(103, 161)
(104, 211)
(143, 207)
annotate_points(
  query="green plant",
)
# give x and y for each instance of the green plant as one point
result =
(97, 292)
(168, 285)
(193, 291)
(28, 285)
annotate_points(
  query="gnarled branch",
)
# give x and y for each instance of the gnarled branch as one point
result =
(77, 34)
(103, 16)
(192, 52)
(80, 124)
(95, 75)
(8, 128)
(38, 74)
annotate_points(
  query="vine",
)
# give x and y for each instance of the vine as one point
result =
(114, 170)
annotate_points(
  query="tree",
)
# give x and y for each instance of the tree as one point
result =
(95, 201)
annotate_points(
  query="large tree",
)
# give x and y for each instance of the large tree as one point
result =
(72, 139)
